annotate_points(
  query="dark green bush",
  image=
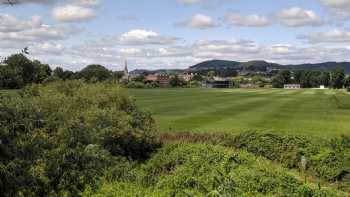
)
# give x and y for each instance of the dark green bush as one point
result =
(56, 139)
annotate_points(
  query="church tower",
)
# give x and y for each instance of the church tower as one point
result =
(126, 71)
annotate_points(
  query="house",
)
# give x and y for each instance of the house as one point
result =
(162, 79)
(186, 76)
(217, 83)
(322, 87)
(348, 89)
(151, 77)
(292, 86)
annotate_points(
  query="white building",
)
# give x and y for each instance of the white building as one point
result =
(292, 86)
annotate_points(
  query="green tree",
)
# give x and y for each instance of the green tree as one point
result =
(176, 81)
(337, 78)
(211, 74)
(325, 79)
(95, 73)
(347, 81)
(283, 77)
(58, 72)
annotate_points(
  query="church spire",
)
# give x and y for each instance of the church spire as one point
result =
(126, 71)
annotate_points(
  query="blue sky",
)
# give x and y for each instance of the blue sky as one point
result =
(153, 34)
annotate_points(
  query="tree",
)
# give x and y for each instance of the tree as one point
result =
(283, 77)
(175, 81)
(22, 66)
(337, 78)
(325, 79)
(95, 72)
(139, 78)
(347, 81)
(41, 71)
(197, 77)
(211, 74)
(58, 72)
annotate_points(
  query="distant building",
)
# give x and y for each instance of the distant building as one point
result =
(163, 79)
(292, 86)
(348, 89)
(217, 83)
(248, 85)
(186, 76)
(126, 75)
(322, 87)
(151, 77)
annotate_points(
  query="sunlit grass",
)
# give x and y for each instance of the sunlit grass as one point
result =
(315, 112)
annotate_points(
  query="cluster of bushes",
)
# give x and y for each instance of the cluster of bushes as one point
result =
(19, 71)
(57, 139)
(204, 170)
(328, 160)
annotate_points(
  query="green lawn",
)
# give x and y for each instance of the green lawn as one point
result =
(316, 112)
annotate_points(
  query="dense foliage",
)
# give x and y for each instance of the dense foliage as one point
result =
(311, 79)
(57, 139)
(19, 71)
(204, 170)
(328, 160)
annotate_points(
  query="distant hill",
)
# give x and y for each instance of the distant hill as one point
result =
(263, 65)
(326, 66)
(256, 65)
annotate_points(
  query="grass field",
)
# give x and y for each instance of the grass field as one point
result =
(315, 112)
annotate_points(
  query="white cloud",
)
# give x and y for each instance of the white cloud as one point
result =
(199, 21)
(10, 23)
(249, 20)
(297, 17)
(332, 36)
(86, 2)
(50, 48)
(339, 9)
(144, 37)
(190, 2)
(73, 13)
(337, 3)
(13, 29)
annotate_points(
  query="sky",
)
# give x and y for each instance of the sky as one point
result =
(155, 34)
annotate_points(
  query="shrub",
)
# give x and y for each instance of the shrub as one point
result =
(56, 139)
(207, 170)
(328, 160)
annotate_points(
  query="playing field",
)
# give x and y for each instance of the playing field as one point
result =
(315, 112)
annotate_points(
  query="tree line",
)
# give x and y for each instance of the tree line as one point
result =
(312, 79)
(18, 71)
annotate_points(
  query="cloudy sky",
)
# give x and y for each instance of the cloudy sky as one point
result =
(155, 34)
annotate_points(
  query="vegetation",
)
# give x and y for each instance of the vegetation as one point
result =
(311, 79)
(327, 160)
(57, 139)
(19, 71)
(206, 170)
(65, 137)
(322, 113)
